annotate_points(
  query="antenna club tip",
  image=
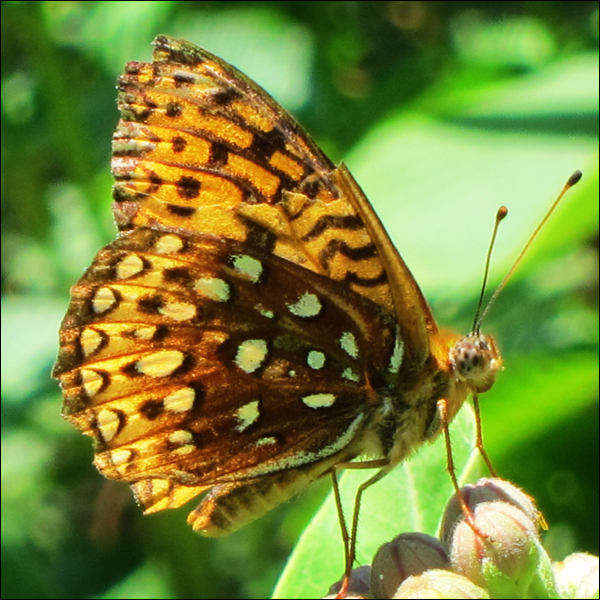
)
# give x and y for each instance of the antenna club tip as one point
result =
(577, 175)
(501, 214)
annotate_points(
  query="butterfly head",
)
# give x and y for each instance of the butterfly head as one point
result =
(476, 360)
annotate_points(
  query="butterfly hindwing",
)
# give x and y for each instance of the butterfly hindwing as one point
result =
(188, 345)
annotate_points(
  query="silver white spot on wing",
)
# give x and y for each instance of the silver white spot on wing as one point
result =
(161, 363)
(184, 440)
(103, 300)
(120, 457)
(180, 400)
(108, 423)
(251, 355)
(213, 288)
(246, 415)
(178, 311)
(319, 400)
(145, 333)
(265, 312)
(90, 340)
(308, 305)
(348, 344)
(248, 267)
(266, 441)
(315, 359)
(397, 354)
(350, 375)
(129, 266)
(91, 381)
(168, 244)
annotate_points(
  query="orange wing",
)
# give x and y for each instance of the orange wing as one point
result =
(253, 325)
(194, 361)
(201, 147)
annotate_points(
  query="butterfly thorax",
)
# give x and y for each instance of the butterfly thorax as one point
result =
(456, 368)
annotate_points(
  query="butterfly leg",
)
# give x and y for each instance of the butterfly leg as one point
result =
(341, 518)
(479, 443)
(442, 406)
(384, 467)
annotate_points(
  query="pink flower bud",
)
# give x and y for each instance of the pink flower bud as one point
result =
(504, 560)
(486, 490)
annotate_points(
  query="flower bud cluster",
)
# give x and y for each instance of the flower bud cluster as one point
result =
(491, 551)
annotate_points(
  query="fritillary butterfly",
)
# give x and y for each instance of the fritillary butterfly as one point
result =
(253, 327)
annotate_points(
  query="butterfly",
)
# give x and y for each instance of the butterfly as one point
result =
(252, 328)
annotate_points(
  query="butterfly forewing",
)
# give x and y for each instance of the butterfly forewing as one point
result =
(202, 148)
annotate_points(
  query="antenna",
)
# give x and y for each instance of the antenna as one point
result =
(500, 215)
(502, 212)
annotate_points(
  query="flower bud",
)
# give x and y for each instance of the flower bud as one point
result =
(439, 583)
(506, 558)
(486, 490)
(577, 576)
(407, 554)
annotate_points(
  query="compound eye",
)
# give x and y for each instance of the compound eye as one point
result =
(470, 360)
(476, 361)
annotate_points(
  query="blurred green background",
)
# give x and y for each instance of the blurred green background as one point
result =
(443, 111)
